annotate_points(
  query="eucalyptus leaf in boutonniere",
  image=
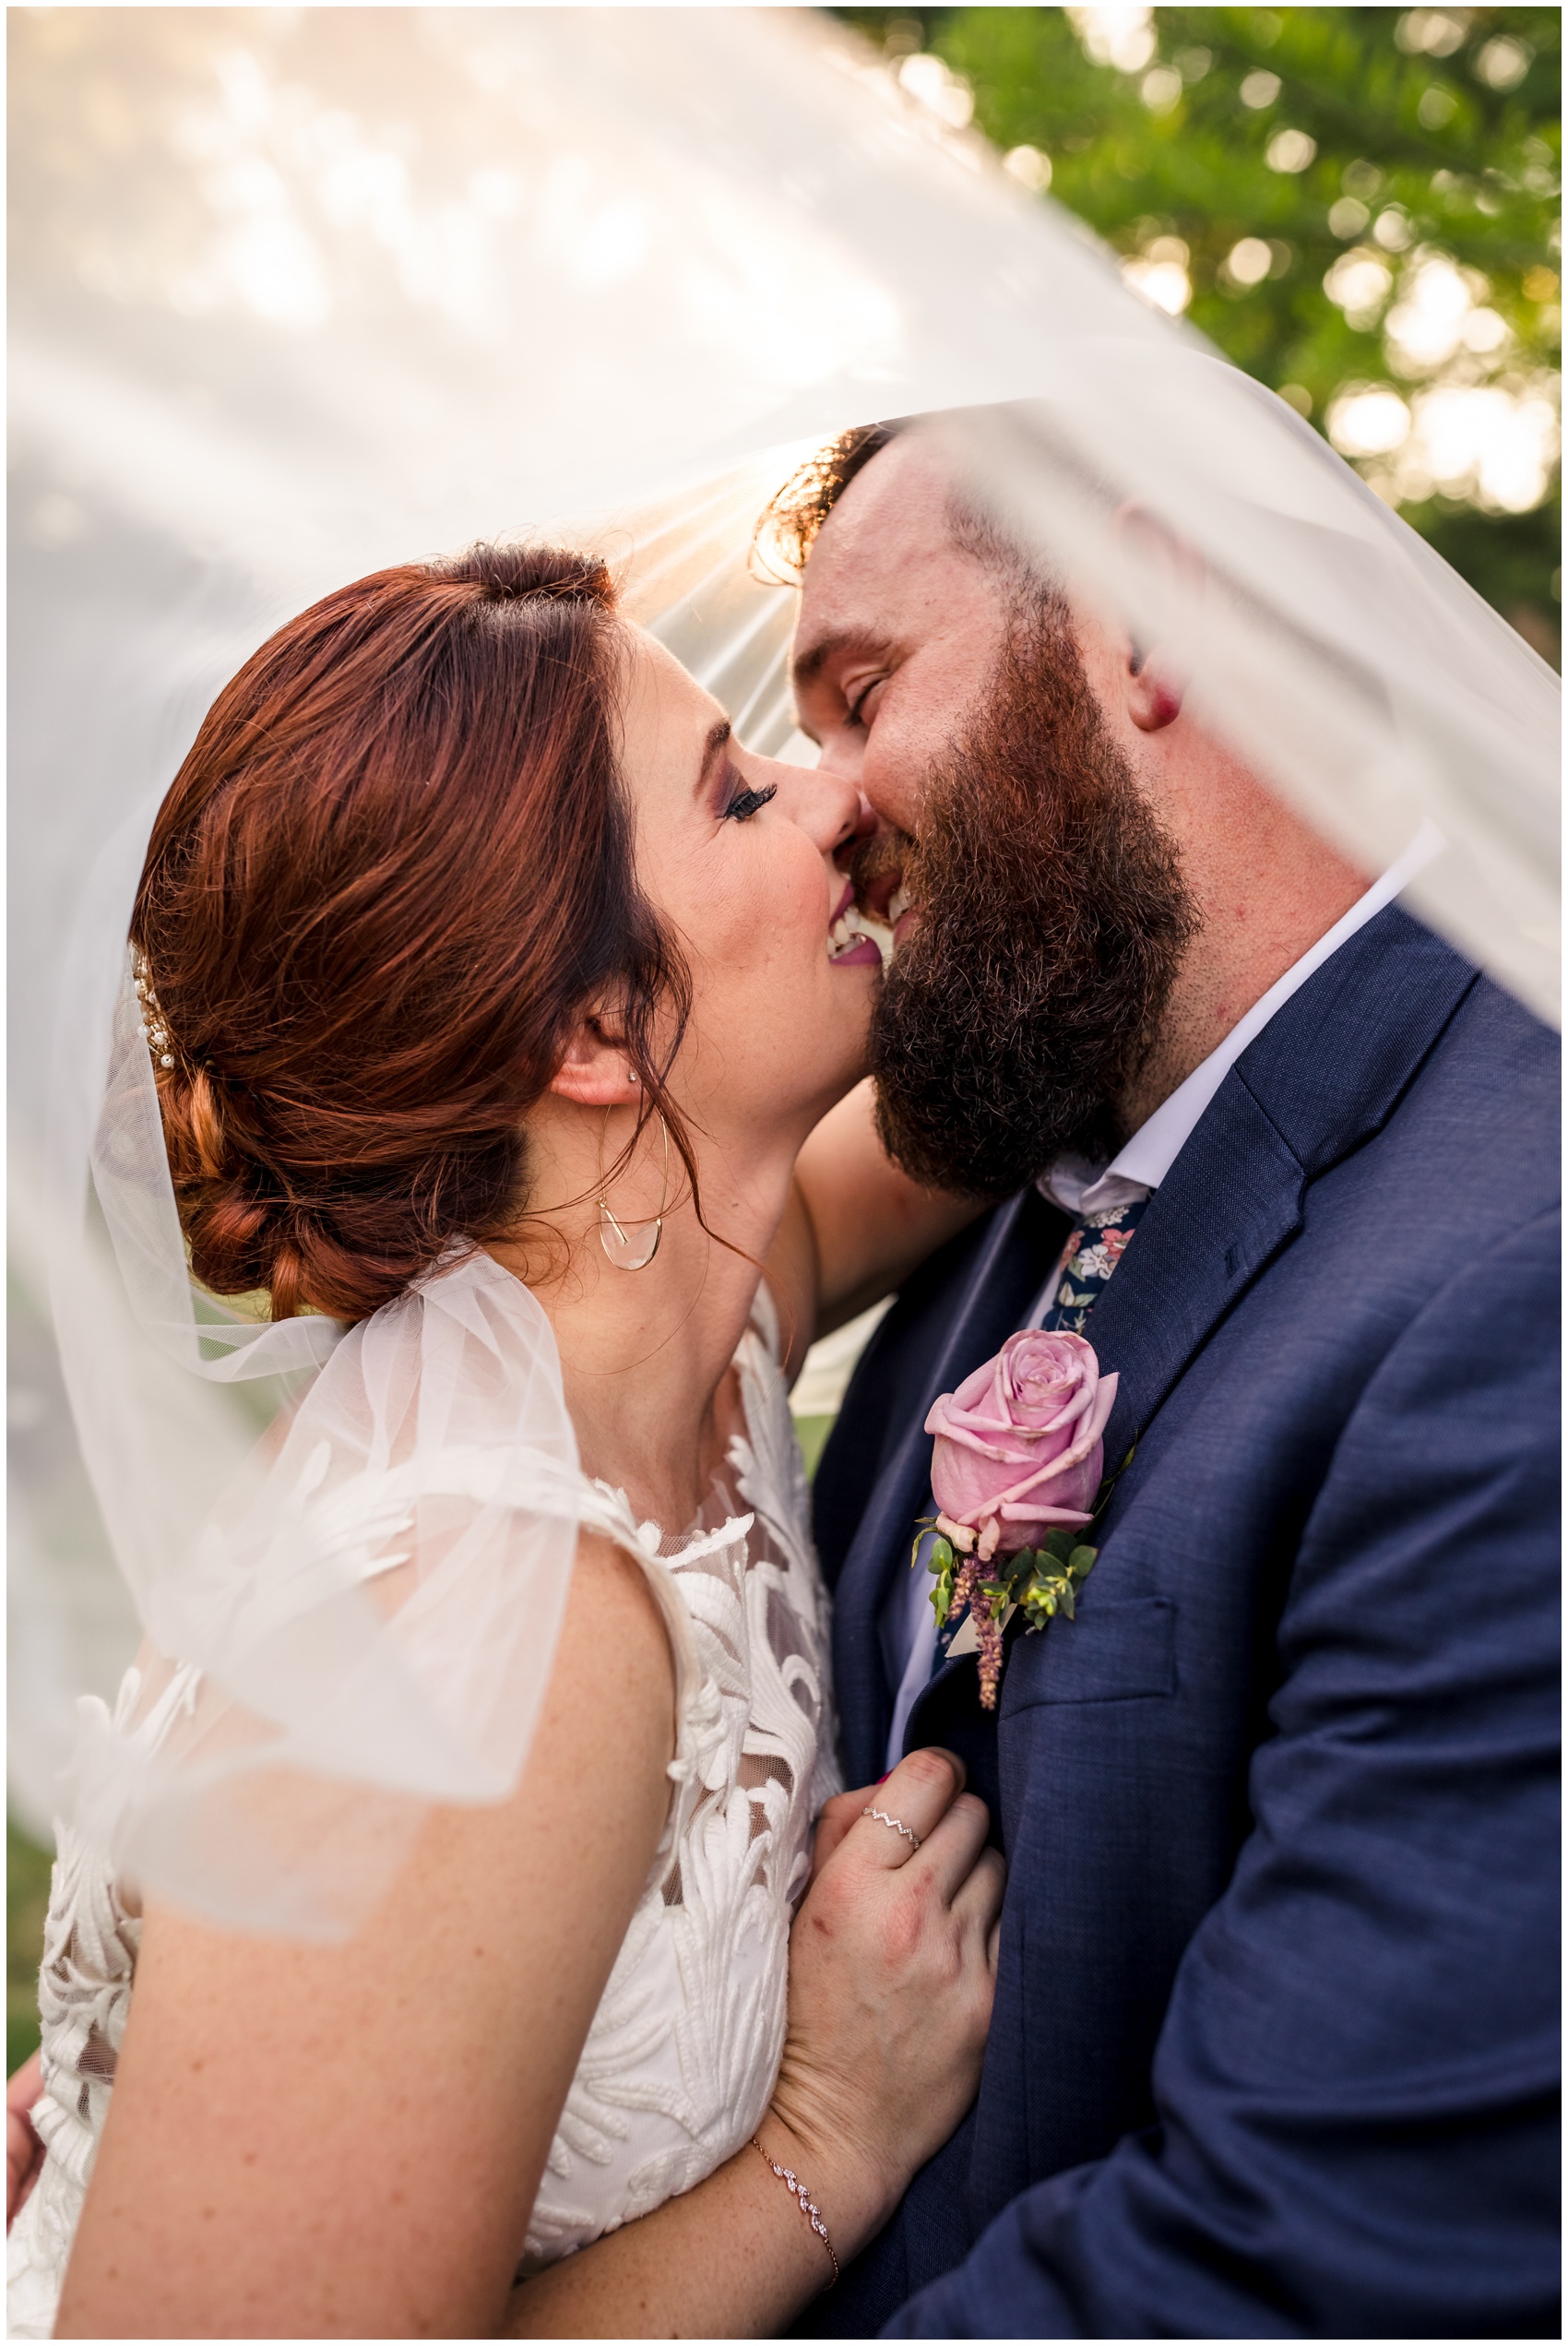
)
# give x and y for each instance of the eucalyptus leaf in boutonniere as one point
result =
(1017, 1474)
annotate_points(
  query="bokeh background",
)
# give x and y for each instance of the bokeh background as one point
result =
(1358, 205)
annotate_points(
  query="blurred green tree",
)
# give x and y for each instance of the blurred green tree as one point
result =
(1358, 205)
(27, 1902)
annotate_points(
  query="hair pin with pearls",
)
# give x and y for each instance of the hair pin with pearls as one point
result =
(154, 1029)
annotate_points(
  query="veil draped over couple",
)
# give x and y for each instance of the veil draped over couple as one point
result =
(548, 1872)
(1084, 1865)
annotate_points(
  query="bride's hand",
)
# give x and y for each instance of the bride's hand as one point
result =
(892, 1971)
(835, 1817)
(24, 2152)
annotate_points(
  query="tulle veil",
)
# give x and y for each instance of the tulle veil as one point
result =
(361, 1540)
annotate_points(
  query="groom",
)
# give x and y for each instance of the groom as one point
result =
(1274, 2042)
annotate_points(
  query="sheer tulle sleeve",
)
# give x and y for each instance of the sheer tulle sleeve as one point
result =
(351, 1546)
(372, 1611)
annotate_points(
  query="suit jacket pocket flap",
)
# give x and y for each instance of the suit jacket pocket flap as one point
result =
(1115, 1651)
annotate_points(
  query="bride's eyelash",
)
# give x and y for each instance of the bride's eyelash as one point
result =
(748, 802)
(860, 699)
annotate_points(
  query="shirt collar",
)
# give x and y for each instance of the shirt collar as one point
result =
(1080, 1188)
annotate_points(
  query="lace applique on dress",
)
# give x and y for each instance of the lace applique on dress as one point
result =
(681, 2058)
(681, 2054)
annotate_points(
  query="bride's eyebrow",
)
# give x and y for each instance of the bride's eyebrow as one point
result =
(716, 742)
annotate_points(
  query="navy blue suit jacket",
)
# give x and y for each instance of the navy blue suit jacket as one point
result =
(1276, 2037)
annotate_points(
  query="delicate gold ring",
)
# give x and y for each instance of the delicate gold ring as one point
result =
(898, 1826)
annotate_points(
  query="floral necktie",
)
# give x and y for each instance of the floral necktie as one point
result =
(1091, 1254)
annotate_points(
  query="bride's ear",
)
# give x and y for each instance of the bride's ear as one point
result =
(595, 1072)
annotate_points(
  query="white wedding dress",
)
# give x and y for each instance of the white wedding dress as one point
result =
(680, 2058)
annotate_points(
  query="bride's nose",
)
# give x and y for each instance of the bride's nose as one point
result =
(835, 814)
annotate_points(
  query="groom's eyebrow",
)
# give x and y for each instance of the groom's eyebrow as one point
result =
(810, 663)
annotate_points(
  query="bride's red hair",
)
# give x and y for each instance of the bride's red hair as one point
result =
(394, 870)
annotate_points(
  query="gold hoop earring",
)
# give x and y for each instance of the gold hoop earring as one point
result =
(625, 1252)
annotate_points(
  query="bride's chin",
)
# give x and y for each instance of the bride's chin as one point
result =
(831, 1082)
(849, 1071)
(840, 1029)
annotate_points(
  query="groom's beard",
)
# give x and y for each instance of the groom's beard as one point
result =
(1051, 920)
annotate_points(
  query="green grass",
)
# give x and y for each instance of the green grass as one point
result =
(27, 1900)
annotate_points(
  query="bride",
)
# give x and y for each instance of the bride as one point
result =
(491, 992)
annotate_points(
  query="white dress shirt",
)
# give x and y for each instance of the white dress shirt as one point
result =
(1083, 1190)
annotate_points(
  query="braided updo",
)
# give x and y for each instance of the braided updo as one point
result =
(394, 869)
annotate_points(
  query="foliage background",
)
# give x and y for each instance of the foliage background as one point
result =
(27, 1901)
(1432, 147)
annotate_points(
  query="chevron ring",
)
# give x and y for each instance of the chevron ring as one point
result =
(883, 1819)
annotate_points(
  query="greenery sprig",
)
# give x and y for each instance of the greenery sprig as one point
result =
(1040, 1581)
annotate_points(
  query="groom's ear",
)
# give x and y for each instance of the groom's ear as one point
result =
(595, 1071)
(1152, 693)
(1154, 685)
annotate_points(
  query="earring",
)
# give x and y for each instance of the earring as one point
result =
(625, 1252)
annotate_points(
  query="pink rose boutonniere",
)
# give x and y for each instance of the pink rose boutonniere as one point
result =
(1019, 1459)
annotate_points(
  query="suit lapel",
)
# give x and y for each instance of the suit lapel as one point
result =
(1228, 1204)
(1236, 1177)
(1326, 1074)
(1007, 1275)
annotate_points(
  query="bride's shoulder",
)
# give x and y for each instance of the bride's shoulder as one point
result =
(618, 1620)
